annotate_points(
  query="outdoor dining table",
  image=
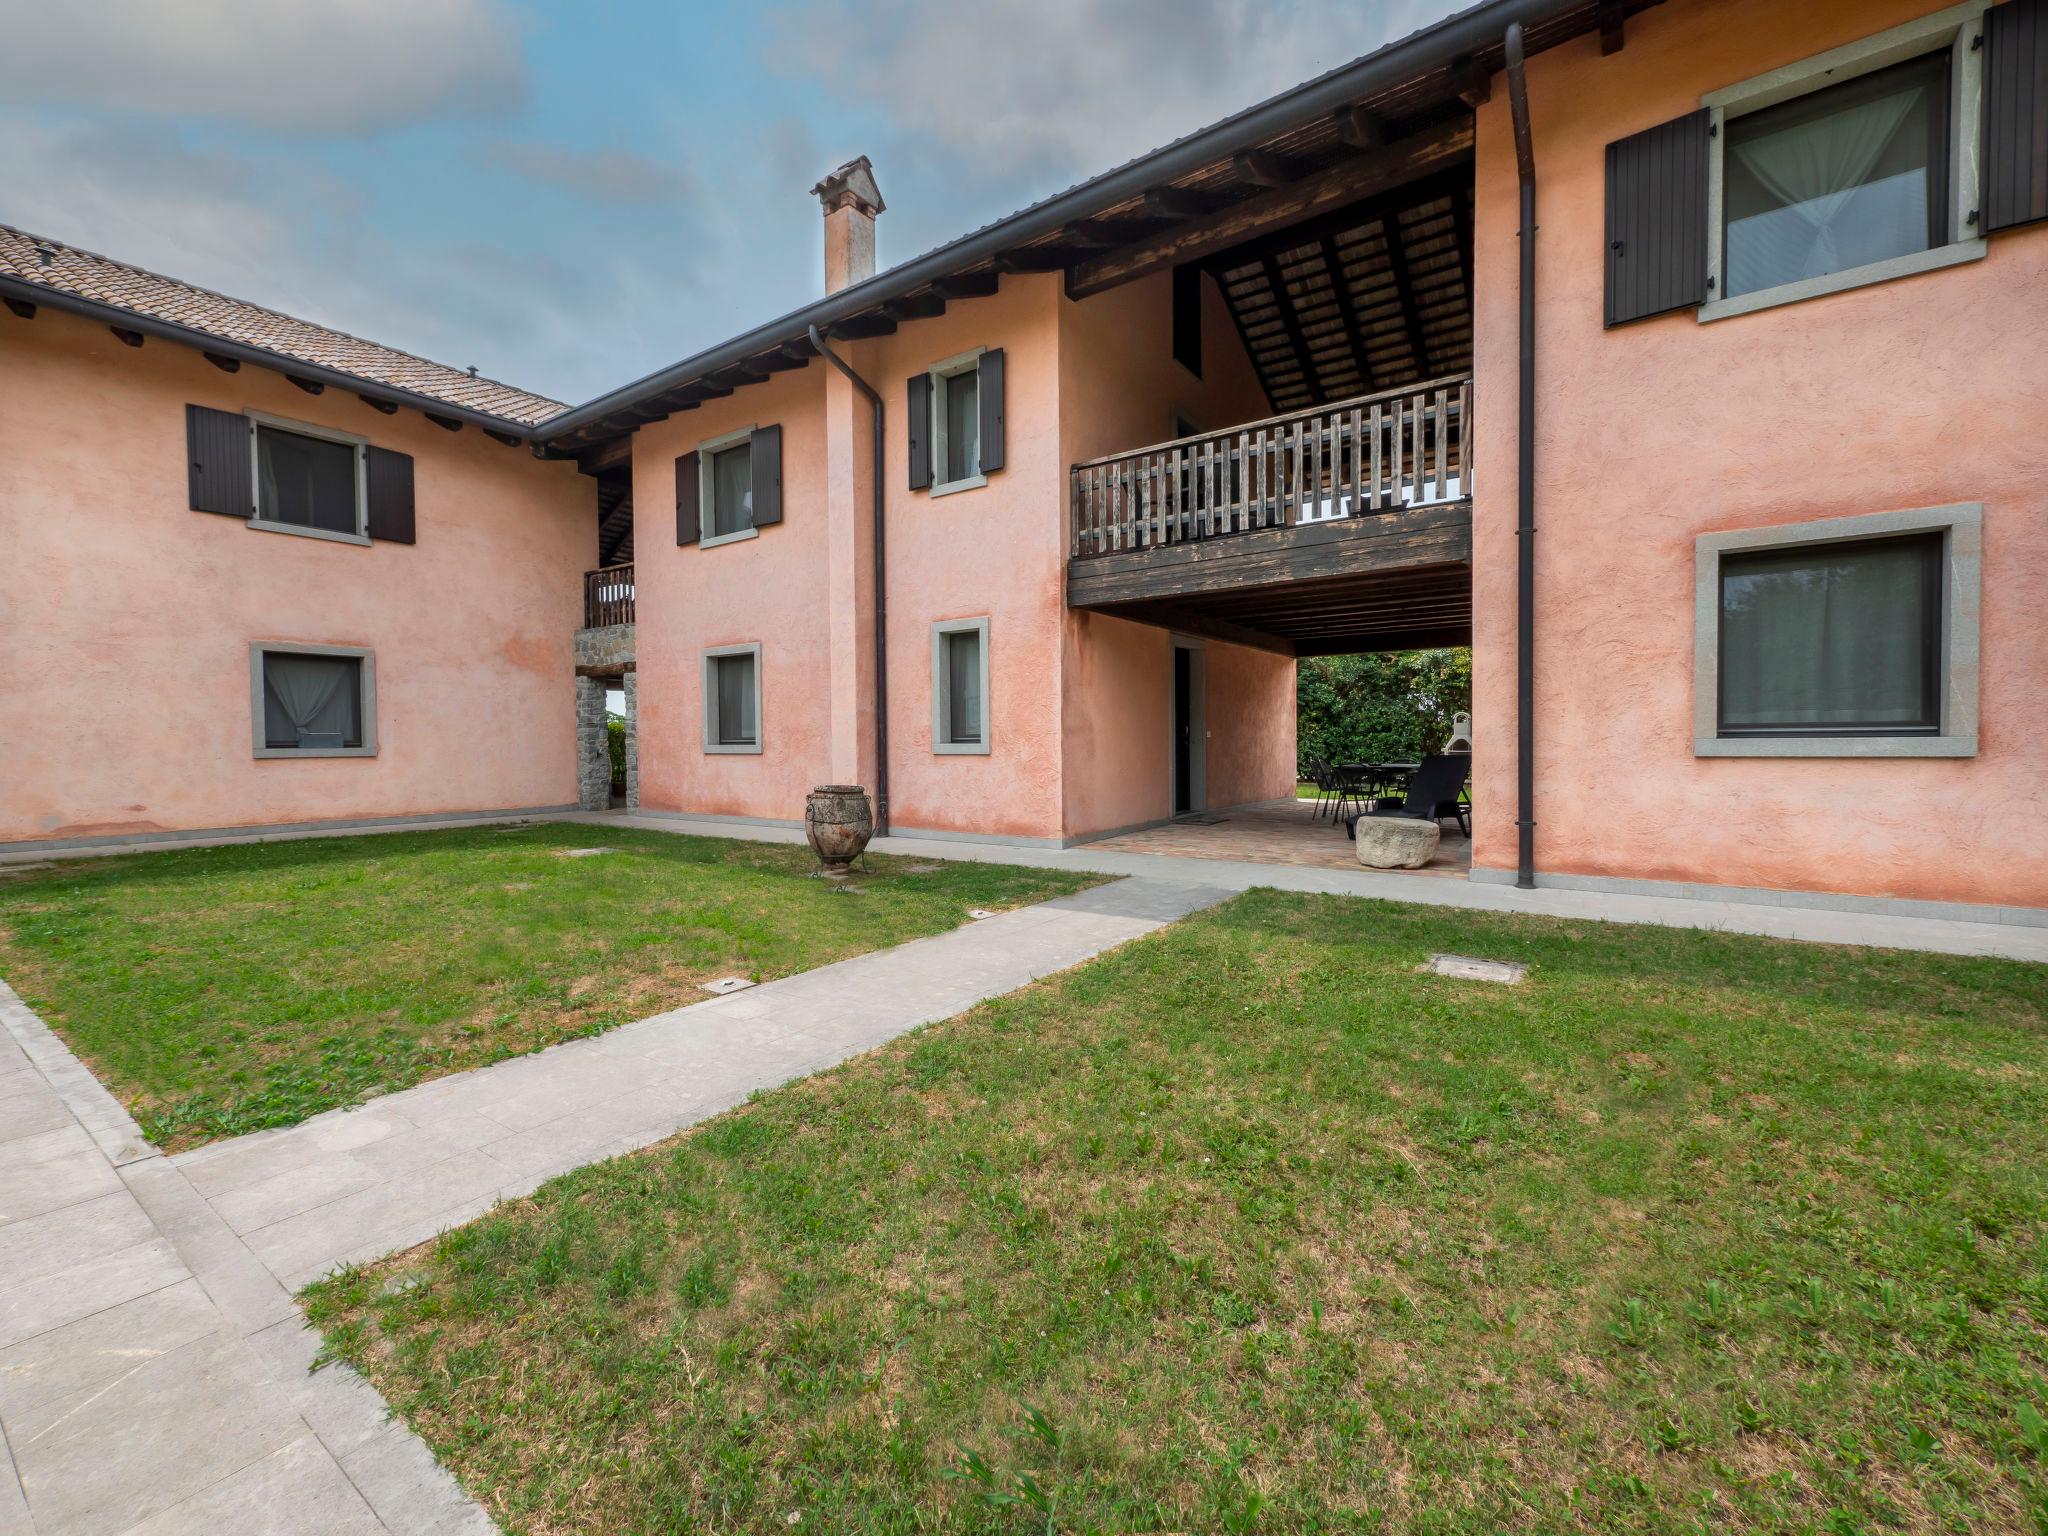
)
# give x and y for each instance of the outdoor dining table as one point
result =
(1367, 782)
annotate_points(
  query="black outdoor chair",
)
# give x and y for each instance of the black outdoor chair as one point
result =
(1434, 792)
(1320, 776)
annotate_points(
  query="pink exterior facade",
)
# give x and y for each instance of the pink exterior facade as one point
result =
(1911, 393)
(127, 618)
(125, 703)
(1079, 704)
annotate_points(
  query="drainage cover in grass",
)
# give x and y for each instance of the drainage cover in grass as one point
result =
(726, 984)
(1470, 968)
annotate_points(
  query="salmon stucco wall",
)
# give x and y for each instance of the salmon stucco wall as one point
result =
(768, 590)
(1912, 393)
(125, 695)
(1120, 388)
(996, 551)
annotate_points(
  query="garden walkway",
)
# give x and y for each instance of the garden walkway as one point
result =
(153, 1367)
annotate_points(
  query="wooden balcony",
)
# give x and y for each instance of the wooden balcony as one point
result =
(1348, 526)
(608, 596)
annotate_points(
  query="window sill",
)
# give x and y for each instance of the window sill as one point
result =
(265, 525)
(729, 538)
(972, 482)
(960, 749)
(315, 751)
(1951, 255)
(1835, 746)
(726, 750)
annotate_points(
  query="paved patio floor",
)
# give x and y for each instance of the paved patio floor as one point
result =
(153, 1366)
(1278, 832)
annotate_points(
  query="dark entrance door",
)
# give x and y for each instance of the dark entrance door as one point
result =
(1183, 730)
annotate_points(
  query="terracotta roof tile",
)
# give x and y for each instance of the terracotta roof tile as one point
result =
(48, 263)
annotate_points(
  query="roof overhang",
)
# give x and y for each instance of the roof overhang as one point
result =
(1379, 106)
(42, 295)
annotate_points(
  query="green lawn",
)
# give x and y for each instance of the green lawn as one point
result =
(1250, 1226)
(222, 990)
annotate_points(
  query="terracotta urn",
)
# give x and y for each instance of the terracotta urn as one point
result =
(839, 821)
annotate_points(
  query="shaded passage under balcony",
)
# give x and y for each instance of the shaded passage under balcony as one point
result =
(1343, 528)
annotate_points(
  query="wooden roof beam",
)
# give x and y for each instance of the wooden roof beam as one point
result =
(608, 455)
(1404, 285)
(1107, 232)
(129, 338)
(1347, 311)
(445, 423)
(1291, 321)
(234, 365)
(21, 307)
(1611, 15)
(1360, 128)
(1268, 169)
(1039, 258)
(1470, 83)
(1435, 149)
(859, 327)
(1183, 202)
(967, 285)
(918, 306)
(383, 406)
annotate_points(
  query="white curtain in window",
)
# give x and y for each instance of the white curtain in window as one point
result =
(736, 722)
(963, 687)
(306, 481)
(311, 700)
(963, 425)
(1832, 215)
(732, 489)
(1826, 639)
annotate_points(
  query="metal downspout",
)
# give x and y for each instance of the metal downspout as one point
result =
(1525, 482)
(881, 594)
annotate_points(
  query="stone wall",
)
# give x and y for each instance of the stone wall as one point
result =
(632, 741)
(608, 646)
(593, 755)
(593, 751)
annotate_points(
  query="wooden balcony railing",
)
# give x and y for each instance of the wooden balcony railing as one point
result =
(608, 596)
(1377, 453)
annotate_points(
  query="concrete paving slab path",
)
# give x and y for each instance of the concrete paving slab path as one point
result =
(154, 1378)
(154, 1370)
(353, 1185)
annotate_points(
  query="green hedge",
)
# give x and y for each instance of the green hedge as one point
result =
(615, 738)
(1394, 706)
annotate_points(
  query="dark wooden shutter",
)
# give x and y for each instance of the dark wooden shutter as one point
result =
(390, 495)
(1657, 219)
(686, 499)
(1187, 318)
(917, 430)
(766, 466)
(990, 392)
(2015, 114)
(217, 452)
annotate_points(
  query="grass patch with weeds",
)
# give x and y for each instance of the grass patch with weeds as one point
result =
(224, 990)
(1251, 1226)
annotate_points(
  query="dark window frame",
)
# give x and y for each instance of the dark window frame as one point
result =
(366, 698)
(1934, 622)
(261, 422)
(1812, 105)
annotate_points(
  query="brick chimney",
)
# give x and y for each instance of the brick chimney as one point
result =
(851, 201)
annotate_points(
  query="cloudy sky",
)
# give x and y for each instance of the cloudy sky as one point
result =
(570, 195)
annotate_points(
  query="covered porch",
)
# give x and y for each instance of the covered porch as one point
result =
(1277, 832)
